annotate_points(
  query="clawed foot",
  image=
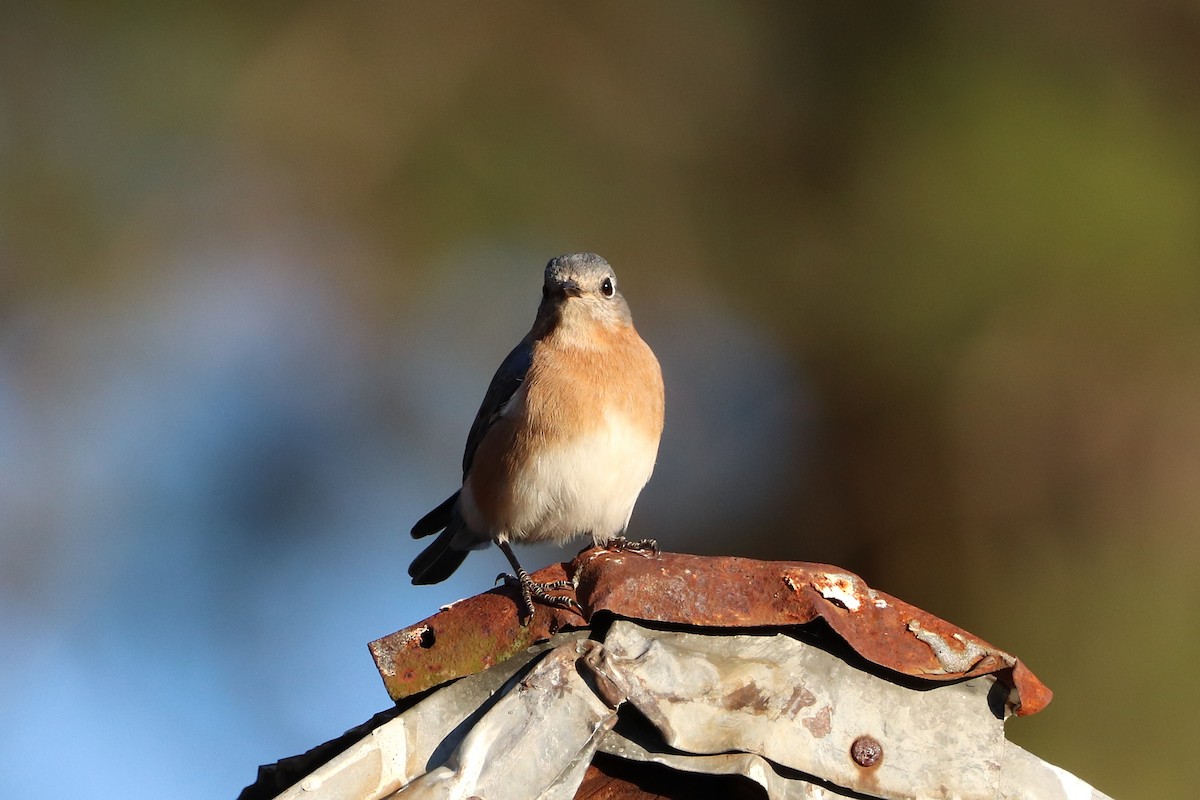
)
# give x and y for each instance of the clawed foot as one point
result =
(532, 590)
(646, 547)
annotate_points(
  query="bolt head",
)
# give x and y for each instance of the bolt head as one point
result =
(866, 751)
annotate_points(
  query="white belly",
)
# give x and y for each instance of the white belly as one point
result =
(586, 486)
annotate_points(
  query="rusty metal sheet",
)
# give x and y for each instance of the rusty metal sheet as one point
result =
(740, 592)
(466, 637)
(677, 588)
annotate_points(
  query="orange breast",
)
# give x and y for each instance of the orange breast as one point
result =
(569, 393)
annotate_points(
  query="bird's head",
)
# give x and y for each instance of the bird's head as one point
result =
(581, 288)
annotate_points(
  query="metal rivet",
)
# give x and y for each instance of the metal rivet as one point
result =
(866, 751)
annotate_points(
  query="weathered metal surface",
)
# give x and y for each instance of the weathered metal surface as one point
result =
(739, 592)
(535, 742)
(723, 592)
(779, 782)
(801, 707)
(768, 776)
(403, 748)
(720, 711)
(1024, 776)
(466, 637)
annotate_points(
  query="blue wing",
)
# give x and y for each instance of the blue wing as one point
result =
(508, 378)
(441, 558)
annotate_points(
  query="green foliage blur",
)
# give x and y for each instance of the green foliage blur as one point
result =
(975, 228)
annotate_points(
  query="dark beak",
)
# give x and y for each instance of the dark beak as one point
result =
(570, 289)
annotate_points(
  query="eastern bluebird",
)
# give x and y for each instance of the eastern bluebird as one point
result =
(566, 436)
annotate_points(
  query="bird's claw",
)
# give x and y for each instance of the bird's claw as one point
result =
(532, 590)
(645, 547)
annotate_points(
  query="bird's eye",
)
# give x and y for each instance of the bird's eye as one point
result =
(606, 287)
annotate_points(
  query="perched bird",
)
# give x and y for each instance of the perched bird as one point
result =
(565, 439)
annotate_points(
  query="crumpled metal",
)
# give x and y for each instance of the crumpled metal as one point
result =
(775, 708)
(537, 741)
(801, 707)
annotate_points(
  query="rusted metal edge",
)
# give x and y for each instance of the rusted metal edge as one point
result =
(740, 592)
(466, 637)
(677, 588)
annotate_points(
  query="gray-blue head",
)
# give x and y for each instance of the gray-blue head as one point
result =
(580, 287)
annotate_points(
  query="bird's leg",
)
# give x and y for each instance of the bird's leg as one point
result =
(532, 590)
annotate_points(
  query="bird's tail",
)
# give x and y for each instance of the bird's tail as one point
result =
(437, 519)
(439, 560)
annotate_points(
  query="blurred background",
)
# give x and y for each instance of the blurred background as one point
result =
(924, 280)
